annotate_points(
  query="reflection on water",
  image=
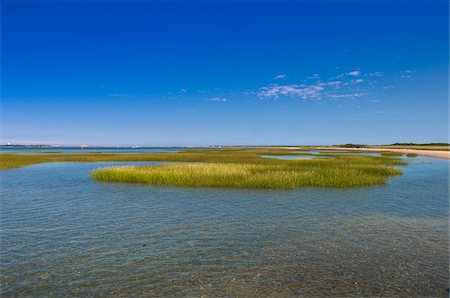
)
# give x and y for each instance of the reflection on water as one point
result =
(65, 234)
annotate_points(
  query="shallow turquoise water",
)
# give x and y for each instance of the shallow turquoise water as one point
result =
(65, 234)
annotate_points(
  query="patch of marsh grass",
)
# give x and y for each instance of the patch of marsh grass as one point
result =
(343, 171)
(8, 161)
(391, 153)
(235, 168)
(411, 155)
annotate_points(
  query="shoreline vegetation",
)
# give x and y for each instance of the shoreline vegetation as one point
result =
(60, 149)
(234, 168)
(336, 172)
(13, 160)
(236, 155)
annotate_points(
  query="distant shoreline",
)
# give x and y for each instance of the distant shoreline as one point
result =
(430, 153)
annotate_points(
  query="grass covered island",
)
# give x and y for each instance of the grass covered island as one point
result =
(249, 170)
(233, 167)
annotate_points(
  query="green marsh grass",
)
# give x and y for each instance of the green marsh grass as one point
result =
(9, 161)
(235, 168)
(390, 153)
(345, 171)
(411, 155)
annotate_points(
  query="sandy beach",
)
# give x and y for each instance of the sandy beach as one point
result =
(430, 153)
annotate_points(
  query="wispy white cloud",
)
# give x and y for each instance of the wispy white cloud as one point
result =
(385, 112)
(374, 74)
(121, 95)
(354, 73)
(280, 76)
(348, 95)
(318, 90)
(346, 87)
(335, 83)
(217, 99)
(302, 91)
(407, 74)
(314, 76)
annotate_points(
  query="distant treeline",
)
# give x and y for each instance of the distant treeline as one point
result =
(352, 146)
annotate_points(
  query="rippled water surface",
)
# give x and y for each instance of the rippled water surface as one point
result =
(65, 234)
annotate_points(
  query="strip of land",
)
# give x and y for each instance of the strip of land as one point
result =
(233, 168)
(327, 170)
(430, 153)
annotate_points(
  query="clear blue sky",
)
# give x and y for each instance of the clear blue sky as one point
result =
(201, 73)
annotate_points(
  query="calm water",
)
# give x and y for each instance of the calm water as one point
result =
(65, 234)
